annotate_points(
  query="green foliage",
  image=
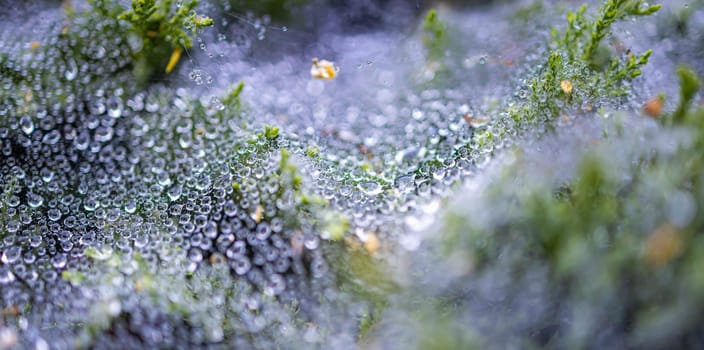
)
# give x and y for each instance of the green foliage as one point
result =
(305, 207)
(442, 333)
(581, 69)
(545, 89)
(271, 132)
(164, 29)
(289, 171)
(335, 225)
(690, 84)
(615, 260)
(561, 232)
(156, 21)
(365, 277)
(312, 151)
(583, 39)
(103, 8)
(612, 11)
(73, 277)
(98, 254)
(434, 35)
(233, 100)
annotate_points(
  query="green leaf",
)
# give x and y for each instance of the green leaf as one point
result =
(689, 85)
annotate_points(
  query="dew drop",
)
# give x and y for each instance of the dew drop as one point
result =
(174, 193)
(26, 124)
(114, 107)
(59, 261)
(71, 71)
(370, 188)
(11, 255)
(131, 206)
(6, 276)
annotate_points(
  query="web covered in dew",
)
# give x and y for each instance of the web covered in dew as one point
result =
(134, 217)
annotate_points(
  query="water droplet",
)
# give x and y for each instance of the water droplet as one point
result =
(131, 206)
(215, 103)
(11, 255)
(404, 183)
(370, 188)
(59, 261)
(27, 124)
(174, 193)
(6, 276)
(54, 214)
(71, 71)
(195, 255)
(114, 107)
(241, 266)
(417, 114)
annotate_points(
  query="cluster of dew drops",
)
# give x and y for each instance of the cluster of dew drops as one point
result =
(88, 163)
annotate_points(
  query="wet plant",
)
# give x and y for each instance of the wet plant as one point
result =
(162, 27)
(585, 251)
(581, 69)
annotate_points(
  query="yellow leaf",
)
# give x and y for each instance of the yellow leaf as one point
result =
(175, 56)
